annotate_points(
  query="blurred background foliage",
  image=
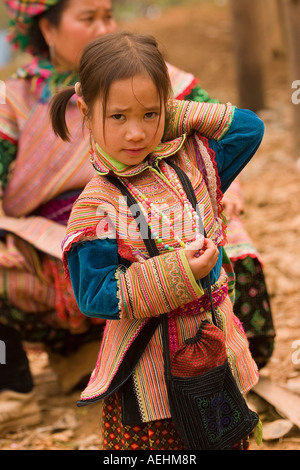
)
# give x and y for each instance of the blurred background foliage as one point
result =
(126, 9)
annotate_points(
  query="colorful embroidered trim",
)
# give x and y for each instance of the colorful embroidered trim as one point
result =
(21, 14)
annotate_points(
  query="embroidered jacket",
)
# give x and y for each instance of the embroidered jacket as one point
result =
(37, 170)
(114, 278)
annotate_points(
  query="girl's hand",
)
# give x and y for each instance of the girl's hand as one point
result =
(202, 257)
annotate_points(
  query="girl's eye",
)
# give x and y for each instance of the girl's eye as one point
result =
(118, 117)
(151, 115)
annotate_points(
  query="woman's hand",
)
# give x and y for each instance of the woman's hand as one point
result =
(232, 207)
(202, 257)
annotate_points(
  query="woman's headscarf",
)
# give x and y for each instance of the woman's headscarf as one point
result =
(22, 13)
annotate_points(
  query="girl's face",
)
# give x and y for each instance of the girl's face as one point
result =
(81, 22)
(134, 120)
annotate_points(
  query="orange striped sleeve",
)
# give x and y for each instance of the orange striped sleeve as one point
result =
(158, 285)
(212, 120)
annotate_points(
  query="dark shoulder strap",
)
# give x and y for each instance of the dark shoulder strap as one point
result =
(189, 190)
(188, 187)
(143, 226)
(137, 214)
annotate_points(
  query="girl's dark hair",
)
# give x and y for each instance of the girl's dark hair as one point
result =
(108, 58)
(37, 41)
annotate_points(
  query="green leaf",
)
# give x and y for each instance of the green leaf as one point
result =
(258, 433)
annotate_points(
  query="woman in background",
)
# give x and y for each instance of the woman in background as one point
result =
(41, 177)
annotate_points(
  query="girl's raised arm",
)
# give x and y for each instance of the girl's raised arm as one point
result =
(212, 120)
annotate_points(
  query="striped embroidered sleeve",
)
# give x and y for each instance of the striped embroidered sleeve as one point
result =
(8, 141)
(212, 120)
(157, 286)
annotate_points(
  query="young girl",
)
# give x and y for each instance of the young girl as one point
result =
(137, 131)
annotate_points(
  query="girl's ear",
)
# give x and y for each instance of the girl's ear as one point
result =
(83, 109)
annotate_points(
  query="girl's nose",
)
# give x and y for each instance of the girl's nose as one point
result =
(135, 133)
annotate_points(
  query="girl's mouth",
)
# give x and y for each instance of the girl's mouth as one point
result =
(134, 152)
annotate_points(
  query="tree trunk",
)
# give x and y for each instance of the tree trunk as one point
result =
(272, 30)
(248, 54)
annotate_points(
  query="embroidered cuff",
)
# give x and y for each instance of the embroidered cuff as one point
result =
(212, 120)
(156, 286)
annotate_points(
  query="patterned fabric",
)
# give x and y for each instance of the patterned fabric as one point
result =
(58, 209)
(42, 328)
(44, 79)
(239, 247)
(252, 302)
(36, 82)
(148, 377)
(212, 120)
(186, 86)
(152, 280)
(239, 243)
(182, 82)
(91, 222)
(104, 165)
(54, 166)
(139, 299)
(88, 221)
(35, 212)
(205, 351)
(8, 151)
(21, 13)
(252, 306)
(158, 435)
(155, 436)
(39, 166)
(35, 284)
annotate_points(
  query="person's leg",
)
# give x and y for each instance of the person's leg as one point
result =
(18, 406)
(15, 373)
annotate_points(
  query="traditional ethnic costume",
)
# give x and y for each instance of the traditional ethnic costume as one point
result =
(39, 182)
(39, 189)
(114, 278)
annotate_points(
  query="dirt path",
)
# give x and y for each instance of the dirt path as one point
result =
(199, 39)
